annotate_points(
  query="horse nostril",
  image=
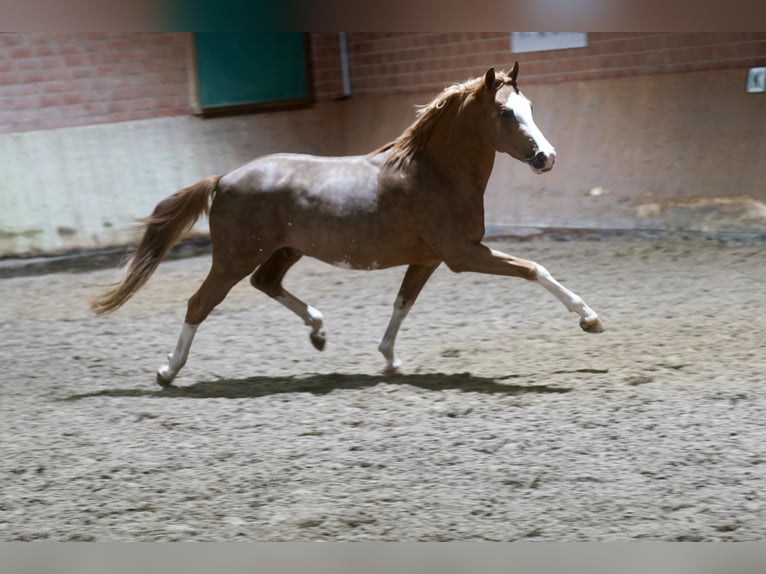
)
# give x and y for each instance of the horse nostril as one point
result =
(539, 161)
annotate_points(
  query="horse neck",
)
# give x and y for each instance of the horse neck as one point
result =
(457, 150)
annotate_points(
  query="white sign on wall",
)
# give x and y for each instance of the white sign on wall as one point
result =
(756, 80)
(538, 41)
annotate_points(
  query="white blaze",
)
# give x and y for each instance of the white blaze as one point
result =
(522, 109)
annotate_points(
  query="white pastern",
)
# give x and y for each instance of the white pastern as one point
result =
(314, 315)
(311, 317)
(571, 300)
(389, 338)
(177, 359)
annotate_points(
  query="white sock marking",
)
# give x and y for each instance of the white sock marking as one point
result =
(177, 359)
(389, 338)
(311, 317)
(570, 299)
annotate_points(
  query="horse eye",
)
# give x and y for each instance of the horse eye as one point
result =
(506, 112)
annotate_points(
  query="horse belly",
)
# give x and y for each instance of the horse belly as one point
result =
(359, 241)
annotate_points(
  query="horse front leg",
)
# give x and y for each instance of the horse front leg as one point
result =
(414, 280)
(589, 320)
(481, 259)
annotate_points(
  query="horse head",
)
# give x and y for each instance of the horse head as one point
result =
(509, 125)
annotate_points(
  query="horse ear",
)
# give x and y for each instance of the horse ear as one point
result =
(514, 72)
(490, 81)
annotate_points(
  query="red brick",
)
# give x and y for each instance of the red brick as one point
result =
(20, 52)
(726, 51)
(132, 75)
(746, 49)
(23, 102)
(11, 39)
(79, 73)
(8, 89)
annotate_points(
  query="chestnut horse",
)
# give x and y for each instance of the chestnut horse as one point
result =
(417, 201)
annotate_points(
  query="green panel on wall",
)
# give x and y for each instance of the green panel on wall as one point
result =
(236, 69)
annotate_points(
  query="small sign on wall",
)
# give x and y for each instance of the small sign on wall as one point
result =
(539, 41)
(756, 80)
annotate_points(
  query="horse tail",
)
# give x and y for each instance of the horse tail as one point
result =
(169, 221)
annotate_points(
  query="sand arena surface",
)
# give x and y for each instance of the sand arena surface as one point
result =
(507, 423)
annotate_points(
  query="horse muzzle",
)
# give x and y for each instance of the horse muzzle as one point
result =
(542, 161)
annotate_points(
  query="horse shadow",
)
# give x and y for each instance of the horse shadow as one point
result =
(322, 384)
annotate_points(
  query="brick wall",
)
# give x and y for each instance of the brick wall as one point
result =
(68, 79)
(391, 63)
(325, 53)
(50, 80)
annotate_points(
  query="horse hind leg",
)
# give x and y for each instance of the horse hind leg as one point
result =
(268, 278)
(213, 290)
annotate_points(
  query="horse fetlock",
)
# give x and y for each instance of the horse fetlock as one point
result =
(165, 375)
(318, 335)
(386, 348)
(577, 305)
(392, 366)
(313, 318)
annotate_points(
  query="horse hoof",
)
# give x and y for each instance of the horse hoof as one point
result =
(319, 340)
(592, 326)
(163, 378)
(393, 368)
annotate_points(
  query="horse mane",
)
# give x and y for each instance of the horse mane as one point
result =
(416, 136)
